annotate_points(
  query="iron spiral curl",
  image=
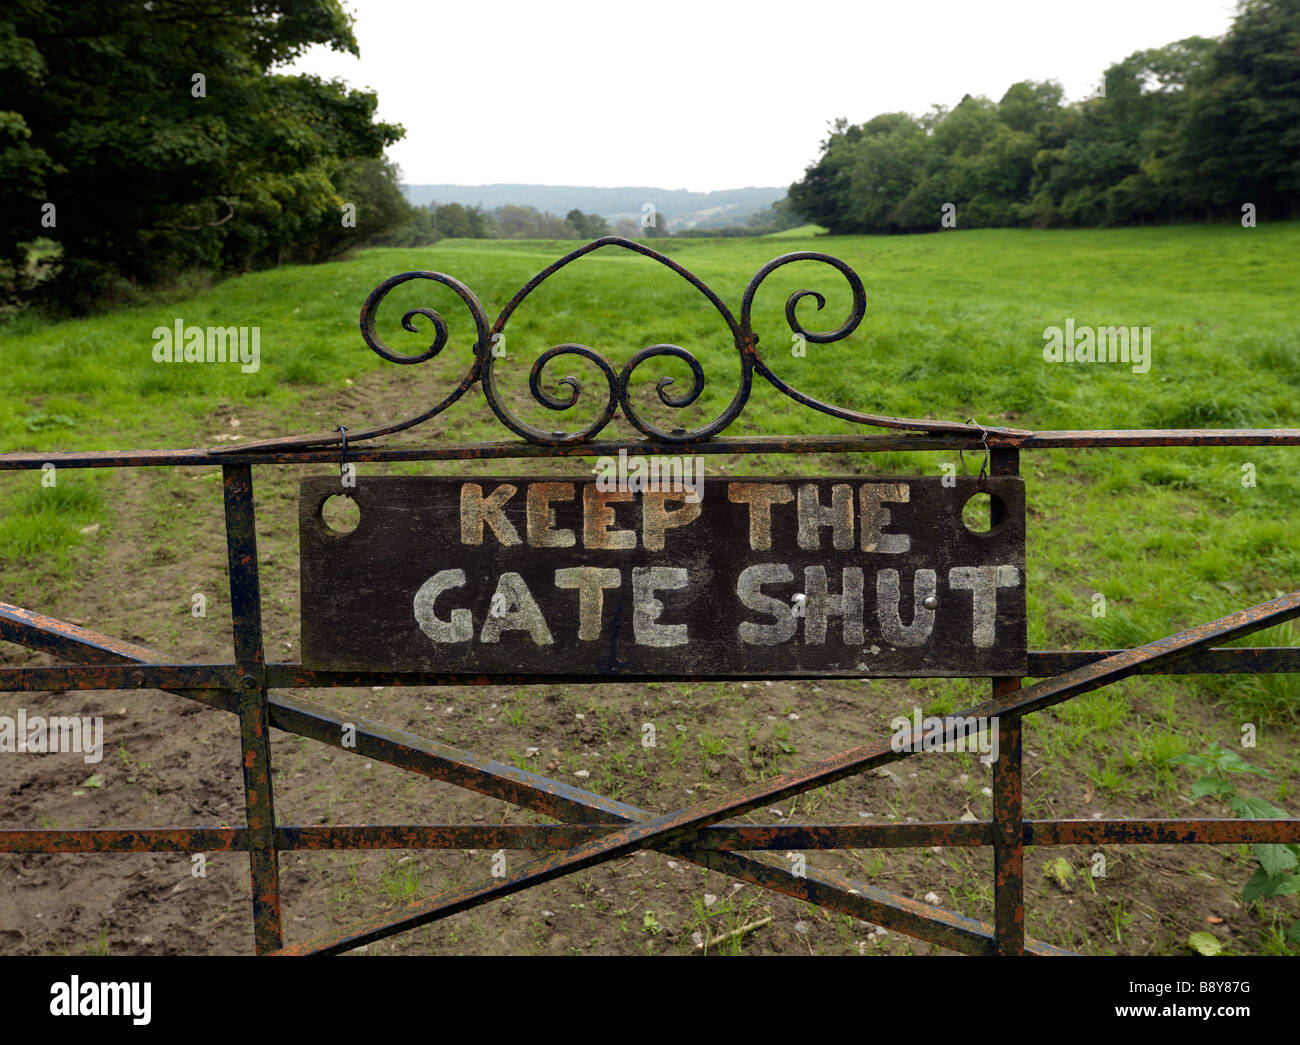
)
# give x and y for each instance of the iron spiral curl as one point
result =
(618, 383)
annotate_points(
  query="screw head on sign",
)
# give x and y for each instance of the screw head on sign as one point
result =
(930, 602)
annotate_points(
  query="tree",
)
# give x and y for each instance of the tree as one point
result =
(482, 224)
(452, 220)
(824, 195)
(587, 226)
(659, 230)
(775, 218)
(164, 140)
(519, 222)
(416, 231)
(373, 210)
(883, 166)
(1241, 141)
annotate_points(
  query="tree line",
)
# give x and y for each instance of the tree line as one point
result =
(143, 140)
(512, 221)
(1200, 129)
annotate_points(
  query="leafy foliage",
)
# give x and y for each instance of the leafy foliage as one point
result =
(1179, 132)
(165, 141)
(1277, 873)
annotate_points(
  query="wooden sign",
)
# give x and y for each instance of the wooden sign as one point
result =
(724, 578)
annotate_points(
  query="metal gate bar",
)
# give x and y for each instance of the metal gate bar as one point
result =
(254, 716)
(725, 838)
(674, 827)
(803, 444)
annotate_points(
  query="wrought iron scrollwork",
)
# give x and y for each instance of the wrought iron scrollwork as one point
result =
(618, 391)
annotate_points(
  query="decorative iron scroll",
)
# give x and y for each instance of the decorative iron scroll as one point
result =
(618, 391)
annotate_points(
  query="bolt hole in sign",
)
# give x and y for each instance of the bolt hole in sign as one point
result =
(721, 578)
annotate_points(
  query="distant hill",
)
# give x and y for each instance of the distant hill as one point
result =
(683, 208)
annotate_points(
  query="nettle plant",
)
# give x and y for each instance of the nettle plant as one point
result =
(1278, 873)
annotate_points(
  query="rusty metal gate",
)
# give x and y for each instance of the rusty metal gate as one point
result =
(591, 829)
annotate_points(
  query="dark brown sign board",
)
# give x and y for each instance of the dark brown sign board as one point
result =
(728, 577)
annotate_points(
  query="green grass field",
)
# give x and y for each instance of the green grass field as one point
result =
(954, 329)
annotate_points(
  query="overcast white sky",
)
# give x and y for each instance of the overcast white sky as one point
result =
(702, 94)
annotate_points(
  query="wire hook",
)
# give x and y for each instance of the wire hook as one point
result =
(984, 443)
(343, 462)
